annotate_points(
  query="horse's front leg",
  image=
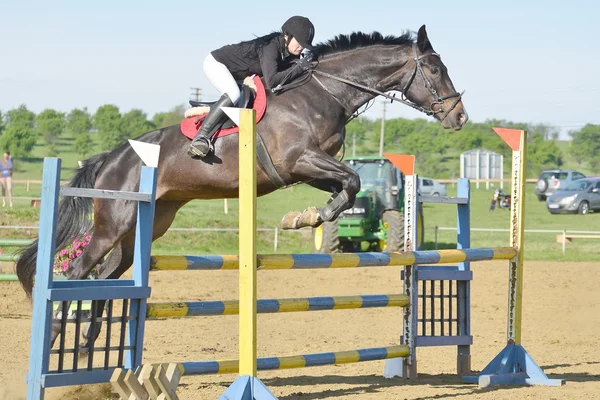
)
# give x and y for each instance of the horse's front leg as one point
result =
(327, 174)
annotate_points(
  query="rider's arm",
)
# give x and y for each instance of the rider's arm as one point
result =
(268, 63)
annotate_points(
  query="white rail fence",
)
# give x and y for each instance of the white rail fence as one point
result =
(276, 231)
(564, 235)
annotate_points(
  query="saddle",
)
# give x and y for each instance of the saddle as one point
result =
(252, 95)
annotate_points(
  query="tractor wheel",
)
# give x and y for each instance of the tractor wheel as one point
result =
(395, 226)
(326, 239)
(393, 221)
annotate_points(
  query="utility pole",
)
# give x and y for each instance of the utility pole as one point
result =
(382, 134)
(354, 145)
(196, 93)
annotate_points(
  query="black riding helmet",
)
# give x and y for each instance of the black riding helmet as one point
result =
(302, 29)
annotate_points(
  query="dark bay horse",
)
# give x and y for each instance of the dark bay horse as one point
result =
(302, 130)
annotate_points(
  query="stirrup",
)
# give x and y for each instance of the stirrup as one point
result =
(193, 151)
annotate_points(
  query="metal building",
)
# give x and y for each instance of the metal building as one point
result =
(481, 164)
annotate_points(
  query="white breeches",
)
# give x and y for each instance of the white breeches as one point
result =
(220, 77)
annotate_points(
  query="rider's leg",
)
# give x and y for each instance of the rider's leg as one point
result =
(220, 77)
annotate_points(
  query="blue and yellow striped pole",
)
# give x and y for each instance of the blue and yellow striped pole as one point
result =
(301, 361)
(231, 307)
(310, 261)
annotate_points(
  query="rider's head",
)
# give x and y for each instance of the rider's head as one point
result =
(298, 33)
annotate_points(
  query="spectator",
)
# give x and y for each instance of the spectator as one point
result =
(6, 170)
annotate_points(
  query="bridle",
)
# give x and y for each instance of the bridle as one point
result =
(439, 100)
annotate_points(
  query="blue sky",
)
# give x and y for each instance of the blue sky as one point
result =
(533, 61)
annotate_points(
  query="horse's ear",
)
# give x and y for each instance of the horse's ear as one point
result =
(423, 41)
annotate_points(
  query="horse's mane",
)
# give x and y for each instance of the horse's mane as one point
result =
(360, 39)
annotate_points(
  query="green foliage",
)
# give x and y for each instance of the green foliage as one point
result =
(438, 149)
(18, 140)
(21, 116)
(79, 121)
(586, 145)
(19, 136)
(173, 117)
(134, 123)
(83, 144)
(51, 124)
(108, 122)
(542, 154)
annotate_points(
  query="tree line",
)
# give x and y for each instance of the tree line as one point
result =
(20, 128)
(436, 149)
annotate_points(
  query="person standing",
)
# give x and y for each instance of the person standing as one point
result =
(6, 171)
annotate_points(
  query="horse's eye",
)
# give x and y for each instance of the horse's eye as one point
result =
(435, 71)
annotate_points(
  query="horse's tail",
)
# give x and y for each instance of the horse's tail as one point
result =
(73, 220)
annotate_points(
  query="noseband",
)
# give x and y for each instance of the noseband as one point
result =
(439, 100)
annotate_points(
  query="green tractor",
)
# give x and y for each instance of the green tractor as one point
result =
(376, 220)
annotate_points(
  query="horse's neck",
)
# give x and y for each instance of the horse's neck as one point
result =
(378, 67)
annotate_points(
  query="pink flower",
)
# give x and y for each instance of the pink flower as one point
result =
(78, 253)
(64, 252)
(88, 238)
(71, 256)
(76, 243)
(64, 265)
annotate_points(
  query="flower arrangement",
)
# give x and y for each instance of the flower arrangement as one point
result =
(63, 259)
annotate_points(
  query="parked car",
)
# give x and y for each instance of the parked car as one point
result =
(431, 187)
(553, 180)
(581, 196)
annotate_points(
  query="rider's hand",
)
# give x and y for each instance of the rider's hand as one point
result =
(306, 53)
(304, 63)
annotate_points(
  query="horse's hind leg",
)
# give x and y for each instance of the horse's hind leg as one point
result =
(325, 173)
(121, 258)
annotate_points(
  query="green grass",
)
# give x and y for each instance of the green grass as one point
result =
(538, 246)
(210, 214)
(270, 209)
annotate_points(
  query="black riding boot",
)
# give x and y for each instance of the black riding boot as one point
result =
(201, 144)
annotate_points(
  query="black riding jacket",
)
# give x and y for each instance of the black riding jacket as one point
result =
(266, 56)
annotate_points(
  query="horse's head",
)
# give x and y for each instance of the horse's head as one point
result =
(367, 65)
(429, 87)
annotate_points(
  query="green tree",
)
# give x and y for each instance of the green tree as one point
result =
(2, 117)
(585, 145)
(18, 140)
(108, 122)
(79, 123)
(173, 117)
(19, 135)
(134, 123)
(542, 153)
(51, 124)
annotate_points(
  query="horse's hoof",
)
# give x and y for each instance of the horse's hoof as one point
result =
(297, 220)
(287, 222)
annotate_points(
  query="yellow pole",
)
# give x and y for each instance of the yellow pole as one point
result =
(517, 238)
(247, 240)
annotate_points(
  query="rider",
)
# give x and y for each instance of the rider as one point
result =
(266, 56)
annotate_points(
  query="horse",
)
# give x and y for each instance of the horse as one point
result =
(303, 130)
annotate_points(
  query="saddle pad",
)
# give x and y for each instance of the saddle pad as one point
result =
(190, 126)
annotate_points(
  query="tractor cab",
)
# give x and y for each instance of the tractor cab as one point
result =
(376, 220)
(381, 178)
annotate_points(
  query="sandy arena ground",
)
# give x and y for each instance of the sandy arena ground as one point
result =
(561, 323)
